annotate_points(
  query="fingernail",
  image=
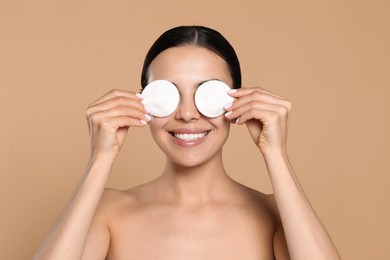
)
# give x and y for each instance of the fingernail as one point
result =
(148, 117)
(232, 91)
(143, 122)
(228, 105)
(237, 120)
(139, 95)
(228, 113)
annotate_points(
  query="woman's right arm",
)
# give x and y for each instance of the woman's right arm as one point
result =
(109, 118)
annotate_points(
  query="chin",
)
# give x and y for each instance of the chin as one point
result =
(190, 161)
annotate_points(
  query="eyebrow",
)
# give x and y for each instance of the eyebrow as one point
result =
(206, 81)
(200, 83)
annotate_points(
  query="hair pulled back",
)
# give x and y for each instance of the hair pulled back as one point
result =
(198, 36)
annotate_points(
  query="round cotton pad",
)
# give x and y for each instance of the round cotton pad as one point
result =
(211, 97)
(161, 98)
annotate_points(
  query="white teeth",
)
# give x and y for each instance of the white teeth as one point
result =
(189, 137)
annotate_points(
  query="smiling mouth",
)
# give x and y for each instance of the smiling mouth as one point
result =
(189, 136)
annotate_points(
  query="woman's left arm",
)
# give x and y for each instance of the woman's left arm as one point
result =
(266, 116)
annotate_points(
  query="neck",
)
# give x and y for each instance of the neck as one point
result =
(198, 184)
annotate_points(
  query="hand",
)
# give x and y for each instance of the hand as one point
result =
(265, 115)
(109, 119)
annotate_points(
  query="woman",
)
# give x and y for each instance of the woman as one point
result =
(193, 210)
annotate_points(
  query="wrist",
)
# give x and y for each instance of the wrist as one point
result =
(99, 166)
(272, 152)
(275, 156)
(102, 158)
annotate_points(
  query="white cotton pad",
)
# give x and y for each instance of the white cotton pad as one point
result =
(211, 97)
(161, 98)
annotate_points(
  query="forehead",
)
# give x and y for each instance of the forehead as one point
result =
(189, 65)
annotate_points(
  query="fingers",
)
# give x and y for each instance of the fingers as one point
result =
(245, 95)
(118, 103)
(246, 91)
(257, 103)
(260, 111)
(119, 114)
(110, 117)
(115, 123)
(116, 93)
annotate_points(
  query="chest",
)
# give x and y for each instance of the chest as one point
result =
(192, 235)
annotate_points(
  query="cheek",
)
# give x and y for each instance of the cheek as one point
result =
(157, 124)
(220, 123)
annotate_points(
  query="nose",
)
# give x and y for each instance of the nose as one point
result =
(187, 111)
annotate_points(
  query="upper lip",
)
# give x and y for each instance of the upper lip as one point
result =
(189, 130)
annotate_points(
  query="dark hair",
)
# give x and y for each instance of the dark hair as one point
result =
(198, 36)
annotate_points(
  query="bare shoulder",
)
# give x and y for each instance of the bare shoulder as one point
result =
(262, 203)
(278, 237)
(114, 199)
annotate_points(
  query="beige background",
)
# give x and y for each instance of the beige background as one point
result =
(330, 58)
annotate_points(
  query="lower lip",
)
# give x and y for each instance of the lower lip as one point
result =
(189, 143)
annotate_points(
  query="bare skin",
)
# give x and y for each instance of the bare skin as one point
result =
(145, 226)
(194, 210)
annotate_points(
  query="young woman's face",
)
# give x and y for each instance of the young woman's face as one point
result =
(187, 137)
